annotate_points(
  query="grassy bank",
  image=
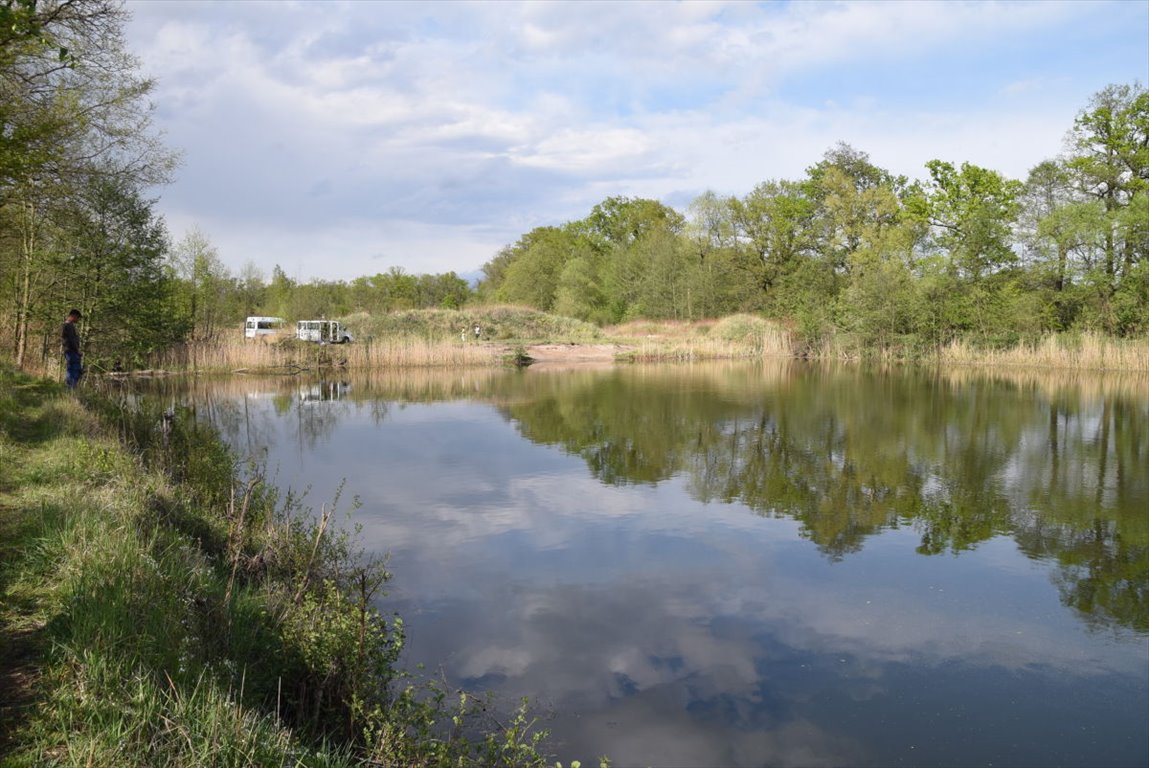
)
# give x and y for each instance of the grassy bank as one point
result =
(446, 339)
(161, 607)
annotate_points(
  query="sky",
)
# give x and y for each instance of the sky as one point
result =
(344, 139)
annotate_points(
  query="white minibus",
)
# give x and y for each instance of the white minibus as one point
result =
(262, 326)
(323, 331)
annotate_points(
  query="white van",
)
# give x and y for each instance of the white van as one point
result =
(254, 327)
(323, 331)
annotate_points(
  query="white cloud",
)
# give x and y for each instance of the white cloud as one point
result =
(587, 151)
(446, 130)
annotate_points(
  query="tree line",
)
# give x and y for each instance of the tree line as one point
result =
(77, 149)
(850, 249)
(853, 248)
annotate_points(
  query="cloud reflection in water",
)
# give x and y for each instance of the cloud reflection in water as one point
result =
(661, 629)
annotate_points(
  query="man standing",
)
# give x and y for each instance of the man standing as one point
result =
(71, 338)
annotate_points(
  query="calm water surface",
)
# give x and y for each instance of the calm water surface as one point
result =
(732, 565)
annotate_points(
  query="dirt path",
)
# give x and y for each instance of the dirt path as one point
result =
(576, 353)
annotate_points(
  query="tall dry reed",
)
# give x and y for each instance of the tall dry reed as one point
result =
(737, 336)
(687, 350)
(294, 356)
(1088, 351)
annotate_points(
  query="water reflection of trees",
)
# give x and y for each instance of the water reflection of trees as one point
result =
(1061, 469)
(1056, 463)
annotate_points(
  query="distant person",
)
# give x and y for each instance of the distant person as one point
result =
(72, 357)
(478, 331)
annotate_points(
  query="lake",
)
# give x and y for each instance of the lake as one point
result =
(751, 564)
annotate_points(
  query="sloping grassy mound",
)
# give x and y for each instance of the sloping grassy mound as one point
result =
(661, 329)
(749, 328)
(496, 323)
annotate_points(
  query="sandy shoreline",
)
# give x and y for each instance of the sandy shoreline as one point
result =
(576, 353)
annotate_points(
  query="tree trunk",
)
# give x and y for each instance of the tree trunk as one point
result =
(1062, 258)
(24, 301)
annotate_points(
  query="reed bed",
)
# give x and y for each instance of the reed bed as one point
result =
(690, 350)
(290, 356)
(439, 338)
(1087, 351)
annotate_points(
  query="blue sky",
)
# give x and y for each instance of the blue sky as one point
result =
(343, 139)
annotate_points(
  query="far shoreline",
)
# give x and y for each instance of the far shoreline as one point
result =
(525, 337)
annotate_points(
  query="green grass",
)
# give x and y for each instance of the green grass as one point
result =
(110, 659)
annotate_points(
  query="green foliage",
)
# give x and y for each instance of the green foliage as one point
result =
(578, 293)
(774, 223)
(882, 303)
(971, 210)
(1131, 302)
(853, 249)
(75, 135)
(393, 291)
(623, 221)
(532, 274)
(111, 257)
(649, 279)
(203, 288)
(859, 205)
(625, 260)
(1110, 145)
(18, 23)
(1109, 165)
(277, 298)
